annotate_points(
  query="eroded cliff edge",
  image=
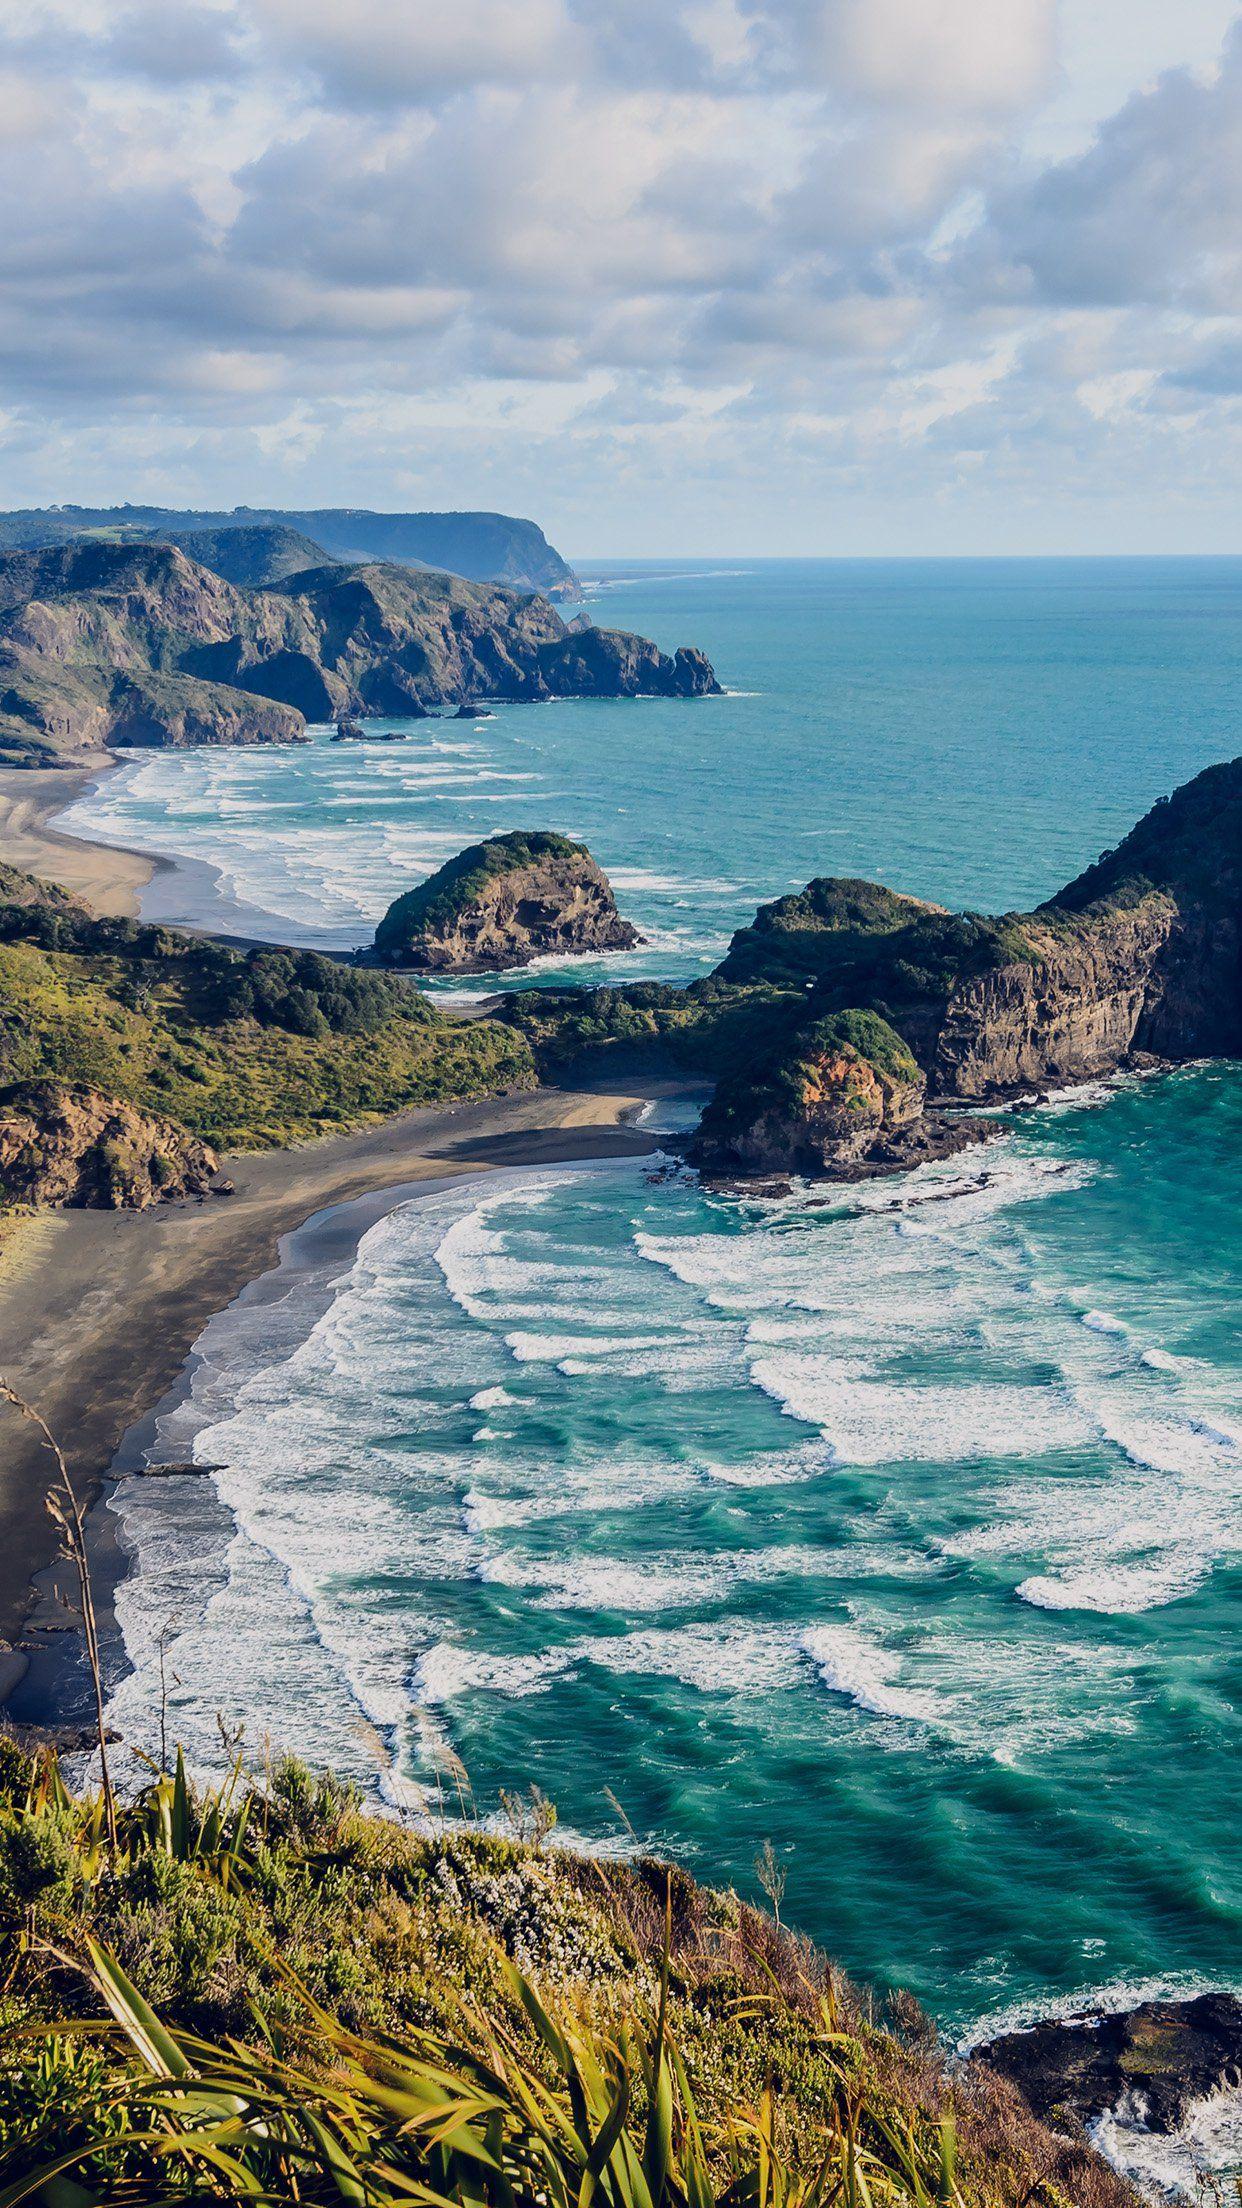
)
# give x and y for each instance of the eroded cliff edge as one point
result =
(138, 644)
(848, 1027)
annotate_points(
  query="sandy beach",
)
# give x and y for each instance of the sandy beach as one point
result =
(110, 879)
(100, 1309)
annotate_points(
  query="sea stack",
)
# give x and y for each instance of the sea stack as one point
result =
(502, 903)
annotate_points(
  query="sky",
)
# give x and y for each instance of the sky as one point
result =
(673, 277)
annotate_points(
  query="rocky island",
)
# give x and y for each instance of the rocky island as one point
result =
(848, 1026)
(136, 644)
(502, 903)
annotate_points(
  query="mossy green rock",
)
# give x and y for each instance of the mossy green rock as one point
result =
(531, 894)
(841, 1085)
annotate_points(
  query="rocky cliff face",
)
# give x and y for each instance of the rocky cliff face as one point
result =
(1140, 957)
(137, 643)
(845, 1086)
(503, 903)
(1069, 1008)
(65, 1144)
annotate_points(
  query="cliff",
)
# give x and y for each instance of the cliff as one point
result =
(1139, 958)
(845, 1097)
(502, 903)
(64, 1143)
(104, 643)
(484, 548)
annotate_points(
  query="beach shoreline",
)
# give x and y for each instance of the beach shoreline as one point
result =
(117, 881)
(110, 877)
(100, 1310)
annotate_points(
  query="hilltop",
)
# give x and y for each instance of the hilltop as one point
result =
(371, 2010)
(481, 547)
(124, 1050)
(253, 557)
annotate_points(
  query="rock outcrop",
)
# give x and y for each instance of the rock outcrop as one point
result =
(848, 1024)
(65, 1144)
(1157, 2059)
(136, 643)
(846, 1083)
(502, 903)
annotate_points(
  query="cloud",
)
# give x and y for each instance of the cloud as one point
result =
(173, 46)
(386, 52)
(1151, 213)
(755, 248)
(968, 58)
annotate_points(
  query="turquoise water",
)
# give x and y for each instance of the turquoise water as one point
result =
(897, 1525)
(967, 731)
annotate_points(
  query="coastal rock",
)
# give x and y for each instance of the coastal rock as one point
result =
(502, 903)
(135, 643)
(65, 1144)
(1139, 960)
(1157, 2059)
(588, 662)
(152, 711)
(845, 1085)
(1135, 964)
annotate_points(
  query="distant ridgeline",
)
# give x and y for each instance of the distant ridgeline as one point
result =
(243, 635)
(485, 548)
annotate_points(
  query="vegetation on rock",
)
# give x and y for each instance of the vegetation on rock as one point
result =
(503, 902)
(844, 1084)
(1141, 955)
(242, 1049)
(265, 1994)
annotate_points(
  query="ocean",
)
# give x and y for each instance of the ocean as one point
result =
(898, 1525)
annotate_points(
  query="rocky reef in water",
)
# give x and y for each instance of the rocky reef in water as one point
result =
(1156, 2061)
(849, 1028)
(502, 903)
(138, 644)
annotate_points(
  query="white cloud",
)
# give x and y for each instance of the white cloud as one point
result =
(742, 260)
(980, 58)
(383, 52)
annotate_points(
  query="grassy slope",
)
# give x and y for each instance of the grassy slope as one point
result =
(141, 1029)
(220, 1914)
